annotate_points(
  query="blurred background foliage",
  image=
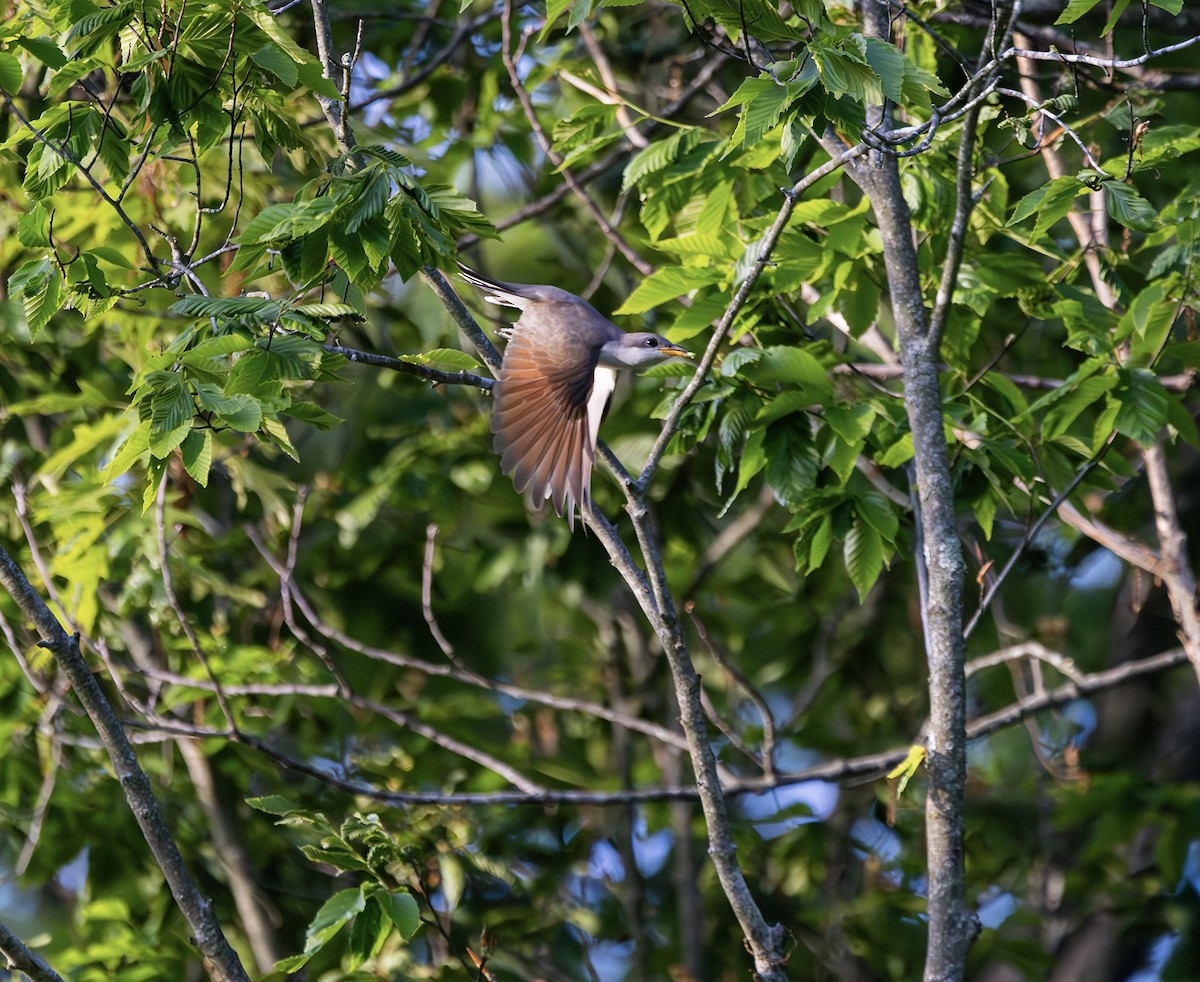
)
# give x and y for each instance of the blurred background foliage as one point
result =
(297, 555)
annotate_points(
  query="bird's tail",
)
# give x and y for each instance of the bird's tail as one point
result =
(496, 291)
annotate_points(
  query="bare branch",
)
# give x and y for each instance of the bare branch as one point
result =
(410, 368)
(20, 958)
(1176, 566)
(220, 959)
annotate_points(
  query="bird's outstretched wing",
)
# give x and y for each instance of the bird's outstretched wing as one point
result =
(549, 401)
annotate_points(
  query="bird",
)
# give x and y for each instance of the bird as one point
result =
(555, 385)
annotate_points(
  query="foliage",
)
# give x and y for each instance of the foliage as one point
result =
(311, 569)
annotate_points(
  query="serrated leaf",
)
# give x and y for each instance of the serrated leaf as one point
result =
(1148, 320)
(334, 914)
(402, 910)
(874, 509)
(1074, 10)
(44, 50)
(789, 365)
(1129, 208)
(666, 284)
(170, 404)
(1142, 406)
(819, 541)
(273, 804)
(241, 412)
(197, 455)
(889, 64)
(844, 73)
(33, 228)
(226, 344)
(163, 442)
(10, 73)
(1058, 415)
(278, 433)
(450, 359)
(261, 308)
(863, 554)
(133, 448)
(256, 373)
(39, 287)
(1050, 202)
(850, 423)
(330, 312)
(313, 415)
(1118, 9)
(368, 933)
(277, 63)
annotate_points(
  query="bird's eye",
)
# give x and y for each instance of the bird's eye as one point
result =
(651, 342)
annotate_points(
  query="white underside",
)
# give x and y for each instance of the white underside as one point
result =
(603, 383)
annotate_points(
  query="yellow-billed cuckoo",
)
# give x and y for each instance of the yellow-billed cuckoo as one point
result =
(556, 381)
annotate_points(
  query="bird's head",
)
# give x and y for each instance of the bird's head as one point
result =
(639, 350)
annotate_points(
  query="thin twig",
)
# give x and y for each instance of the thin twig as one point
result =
(164, 571)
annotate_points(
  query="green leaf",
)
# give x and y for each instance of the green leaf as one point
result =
(1118, 9)
(666, 284)
(163, 442)
(334, 914)
(889, 63)
(1059, 409)
(763, 102)
(1143, 405)
(10, 73)
(787, 364)
(280, 223)
(225, 344)
(241, 412)
(33, 227)
(368, 933)
(314, 415)
(1129, 208)
(845, 73)
(898, 453)
(263, 309)
(819, 540)
(197, 455)
(256, 373)
(402, 910)
(133, 448)
(1050, 202)
(874, 509)
(38, 285)
(330, 312)
(277, 63)
(1148, 319)
(170, 403)
(273, 804)
(44, 50)
(449, 359)
(1074, 10)
(852, 424)
(863, 553)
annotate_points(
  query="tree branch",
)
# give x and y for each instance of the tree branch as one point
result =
(220, 960)
(1176, 567)
(20, 958)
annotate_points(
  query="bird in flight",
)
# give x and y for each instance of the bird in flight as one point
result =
(556, 382)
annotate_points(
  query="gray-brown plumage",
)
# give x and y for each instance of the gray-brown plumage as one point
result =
(555, 383)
